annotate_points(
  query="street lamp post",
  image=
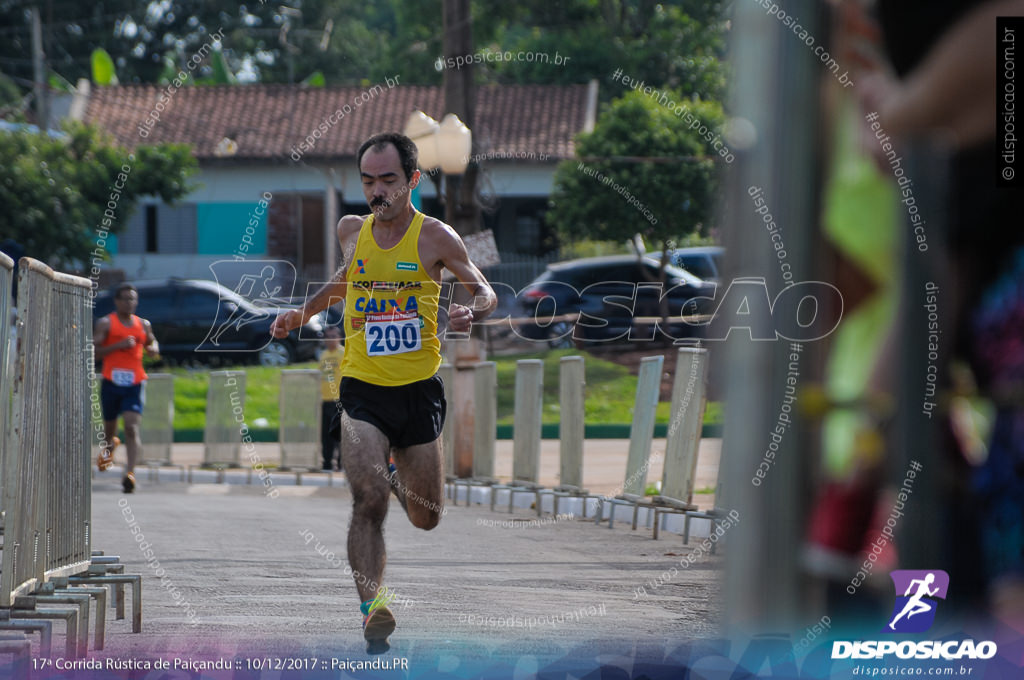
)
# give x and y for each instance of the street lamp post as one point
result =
(446, 146)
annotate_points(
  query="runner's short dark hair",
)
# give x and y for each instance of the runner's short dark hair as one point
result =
(122, 288)
(407, 151)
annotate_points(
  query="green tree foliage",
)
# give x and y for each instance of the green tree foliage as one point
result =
(262, 41)
(103, 70)
(10, 96)
(604, 197)
(71, 31)
(55, 190)
(675, 43)
(678, 44)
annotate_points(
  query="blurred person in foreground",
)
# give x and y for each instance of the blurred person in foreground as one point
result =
(938, 81)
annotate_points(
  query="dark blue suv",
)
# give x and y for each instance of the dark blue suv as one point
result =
(609, 293)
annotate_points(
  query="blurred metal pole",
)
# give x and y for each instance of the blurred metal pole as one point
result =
(917, 428)
(776, 90)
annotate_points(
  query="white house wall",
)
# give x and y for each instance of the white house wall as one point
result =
(247, 184)
(239, 184)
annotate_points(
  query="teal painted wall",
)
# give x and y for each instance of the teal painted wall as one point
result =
(221, 229)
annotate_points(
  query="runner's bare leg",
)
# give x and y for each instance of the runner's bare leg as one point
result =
(365, 448)
(109, 430)
(132, 438)
(421, 479)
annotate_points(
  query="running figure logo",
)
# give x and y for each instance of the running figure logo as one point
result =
(260, 282)
(248, 286)
(914, 611)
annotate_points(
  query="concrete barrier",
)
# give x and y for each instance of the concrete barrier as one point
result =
(300, 411)
(157, 426)
(225, 418)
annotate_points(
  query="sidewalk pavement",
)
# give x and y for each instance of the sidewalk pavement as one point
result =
(232, 571)
(235, 572)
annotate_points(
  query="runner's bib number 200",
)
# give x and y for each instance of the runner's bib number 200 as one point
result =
(392, 333)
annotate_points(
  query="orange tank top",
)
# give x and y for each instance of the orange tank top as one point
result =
(124, 366)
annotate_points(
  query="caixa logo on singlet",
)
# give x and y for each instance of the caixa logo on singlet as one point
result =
(918, 592)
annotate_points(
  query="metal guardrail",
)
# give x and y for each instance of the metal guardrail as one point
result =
(6, 281)
(300, 419)
(47, 494)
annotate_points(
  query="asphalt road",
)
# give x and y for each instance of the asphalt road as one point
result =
(241, 574)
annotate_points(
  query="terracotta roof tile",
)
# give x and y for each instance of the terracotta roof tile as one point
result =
(267, 121)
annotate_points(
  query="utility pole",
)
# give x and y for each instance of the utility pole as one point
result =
(463, 215)
(461, 210)
(39, 73)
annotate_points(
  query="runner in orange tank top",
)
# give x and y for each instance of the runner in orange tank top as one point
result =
(392, 401)
(119, 339)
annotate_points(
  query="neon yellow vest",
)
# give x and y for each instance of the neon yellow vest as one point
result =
(390, 311)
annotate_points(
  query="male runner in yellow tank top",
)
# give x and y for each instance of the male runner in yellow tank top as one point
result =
(392, 399)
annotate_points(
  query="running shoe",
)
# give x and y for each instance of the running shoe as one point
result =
(128, 483)
(106, 457)
(379, 622)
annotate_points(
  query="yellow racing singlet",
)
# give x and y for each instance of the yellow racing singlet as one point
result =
(390, 311)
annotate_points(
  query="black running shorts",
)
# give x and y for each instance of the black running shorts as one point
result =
(407, 414)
